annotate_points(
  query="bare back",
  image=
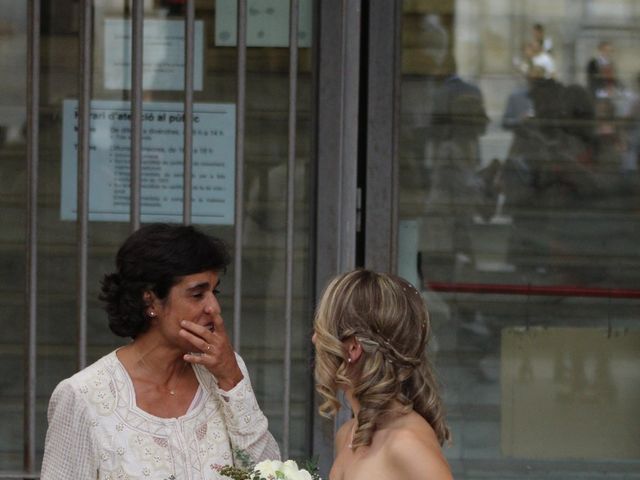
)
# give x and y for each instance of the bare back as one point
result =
(405, 448)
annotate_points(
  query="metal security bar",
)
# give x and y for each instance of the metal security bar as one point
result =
(189, 42)
(137, 36)
(239, 193)
(33, 110)
(84, 133)
(291, 171)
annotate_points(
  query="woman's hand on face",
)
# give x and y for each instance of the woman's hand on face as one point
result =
(217, 353)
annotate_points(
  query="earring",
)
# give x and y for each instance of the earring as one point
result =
(152, 314)
(349, 360)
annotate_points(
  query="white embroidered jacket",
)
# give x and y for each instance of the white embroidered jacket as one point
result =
(96, 431)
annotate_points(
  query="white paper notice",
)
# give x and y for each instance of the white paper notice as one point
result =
(162, 55)
(162, 162)
(267, 23)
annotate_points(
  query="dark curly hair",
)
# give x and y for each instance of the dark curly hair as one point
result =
(153, 259)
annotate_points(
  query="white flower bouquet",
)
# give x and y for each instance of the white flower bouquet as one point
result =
(270, 470)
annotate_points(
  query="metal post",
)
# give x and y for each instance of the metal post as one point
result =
(33, 110)
(137, 36)
(383, 100)
(84, 139)
(338, 67)
(188, 109)
(337, 142)
(291, 170)
(239, 196)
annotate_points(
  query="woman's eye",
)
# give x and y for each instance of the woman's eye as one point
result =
(198, 295)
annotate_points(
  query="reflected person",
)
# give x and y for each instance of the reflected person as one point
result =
(457, 191)
(177, 400)
(602, 79)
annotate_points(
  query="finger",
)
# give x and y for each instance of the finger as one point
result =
(195, 340)
(218, 325)
(196, 329)
(193, 357)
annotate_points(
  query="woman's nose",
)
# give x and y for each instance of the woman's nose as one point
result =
(212, 306)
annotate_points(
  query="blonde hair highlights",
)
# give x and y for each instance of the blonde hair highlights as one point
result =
(389, 318)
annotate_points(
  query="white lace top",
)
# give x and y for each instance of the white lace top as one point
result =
(96, 431)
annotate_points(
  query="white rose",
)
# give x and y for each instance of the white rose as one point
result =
(269, 467)
(290, 466)
(303, 475)
(291, 471)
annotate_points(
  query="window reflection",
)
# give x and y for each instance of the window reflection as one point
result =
(519, 188)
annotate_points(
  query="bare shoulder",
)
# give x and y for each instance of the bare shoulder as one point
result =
(343, 434)
(414, 452)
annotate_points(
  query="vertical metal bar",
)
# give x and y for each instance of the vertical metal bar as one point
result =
(395, 134)
(310, 410)
(382, 124)
(338, 67)
(310, 414)
(189, 41)
(348, 137)
(239, 194)
(291, 171)
(337, 137)
(33, 110)
(84, 138)
(137, 35)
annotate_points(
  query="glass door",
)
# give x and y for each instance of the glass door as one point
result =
(518, 193)
(254, 193)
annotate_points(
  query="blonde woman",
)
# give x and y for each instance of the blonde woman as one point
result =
(371, 333)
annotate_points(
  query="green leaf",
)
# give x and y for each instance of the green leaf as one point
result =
(243, 459)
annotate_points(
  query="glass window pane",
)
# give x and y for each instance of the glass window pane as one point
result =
(13, 188)
(519, 189)
(266, 149)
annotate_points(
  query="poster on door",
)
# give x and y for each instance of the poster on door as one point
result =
(267, 23)
(162, 162)
(162, 55)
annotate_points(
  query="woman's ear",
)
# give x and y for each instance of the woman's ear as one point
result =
(354, 349)
(147, 297)
(149, 300)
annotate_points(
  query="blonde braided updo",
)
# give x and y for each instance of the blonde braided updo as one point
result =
(389, 318)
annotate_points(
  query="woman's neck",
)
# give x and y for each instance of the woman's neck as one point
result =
(395, 406)
(150, 354)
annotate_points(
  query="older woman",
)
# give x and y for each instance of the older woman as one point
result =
(177, 400)
(371, 332)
